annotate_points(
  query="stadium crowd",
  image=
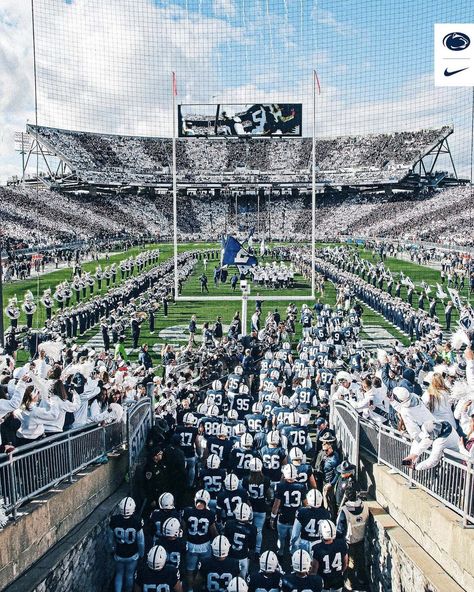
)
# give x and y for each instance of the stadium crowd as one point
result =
(379, 158)
(443, 218)
(242, 434)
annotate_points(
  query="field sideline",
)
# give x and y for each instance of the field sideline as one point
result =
(180, 313)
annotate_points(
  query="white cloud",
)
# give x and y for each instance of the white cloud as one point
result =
(322, 16)
(16, 80)
(224, 8)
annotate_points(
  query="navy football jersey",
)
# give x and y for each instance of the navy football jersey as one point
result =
(164, 580)
(233, 383)
(309, 519)
(291, 496)
(227, 501)
(242, 538)
(327, 377)
(263, 582)
(242, 404)
(239, 461)
(255, 422)
(295, 583)
(305, 472)
(159, 516)
(212, 480)
(220, 447)
(295, 435)
(330, 558)
(210, 425)
(175, 550)
(257, 493)
(125, 532)
(272, 459)
(188, 436)
(198, 523)
(216, 573)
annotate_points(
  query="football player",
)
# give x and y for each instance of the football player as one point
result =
(157, 574)
(217, 571)
(330, 557)
(300, 579)
(268, 578)
(127, 540)
(242, 536)
(305, 533)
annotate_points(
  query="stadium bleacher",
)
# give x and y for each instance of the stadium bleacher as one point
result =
(348, 160)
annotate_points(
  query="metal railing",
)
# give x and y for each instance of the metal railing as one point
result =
(139, 422)
(450, 482)
(35, 468)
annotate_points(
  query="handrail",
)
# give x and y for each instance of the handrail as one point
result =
(34, 469)
(449, 482)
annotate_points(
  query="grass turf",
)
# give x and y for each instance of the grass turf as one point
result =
(180, 313)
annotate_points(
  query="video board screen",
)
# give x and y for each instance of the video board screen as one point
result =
(269, 119)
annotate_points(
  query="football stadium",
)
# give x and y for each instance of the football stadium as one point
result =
(236, 332)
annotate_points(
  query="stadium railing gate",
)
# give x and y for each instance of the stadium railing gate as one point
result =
(450, 482)
(40, 466)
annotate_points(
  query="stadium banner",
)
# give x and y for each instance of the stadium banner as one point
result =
(454, 54)
(269, 119)
(233, 253)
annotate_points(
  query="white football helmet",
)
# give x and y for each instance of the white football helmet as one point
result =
(289, 472)
(171, 528)
(156, 558)
(190, 419)
(243, 512)
(255, 465)
(237, 585)
(220, 546)
(216, 385)
(202, 408)
(239, 429)
(297, 456)
(232, 414)
(244, 389)
(284, 401)
(257, 407)
(238, 370)
(166, 501)
(231, 482)
(293, 418)
(273, 438)
(213, 461)
(314, 498)
(202, 496)
(222, 430)
(301, 561)
(286, 345)
(327, 530)
(274, 374)
(269, 562)
(246, 440)
(213, 411)
(127, 506)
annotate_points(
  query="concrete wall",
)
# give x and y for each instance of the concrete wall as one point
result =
(53, 515)
(396, 561)
(81, 561)
(436, 529)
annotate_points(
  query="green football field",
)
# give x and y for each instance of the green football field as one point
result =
(173, 328)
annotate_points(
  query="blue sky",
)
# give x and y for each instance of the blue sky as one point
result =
(104, 65)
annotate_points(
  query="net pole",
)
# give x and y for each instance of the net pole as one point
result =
(175, 204)
(313, 194)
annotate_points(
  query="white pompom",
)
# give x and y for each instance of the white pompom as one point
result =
(459, 338)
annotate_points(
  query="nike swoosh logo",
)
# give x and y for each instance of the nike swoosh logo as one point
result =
(448, 73)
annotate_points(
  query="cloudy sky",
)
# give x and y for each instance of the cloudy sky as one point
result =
(105, 65)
